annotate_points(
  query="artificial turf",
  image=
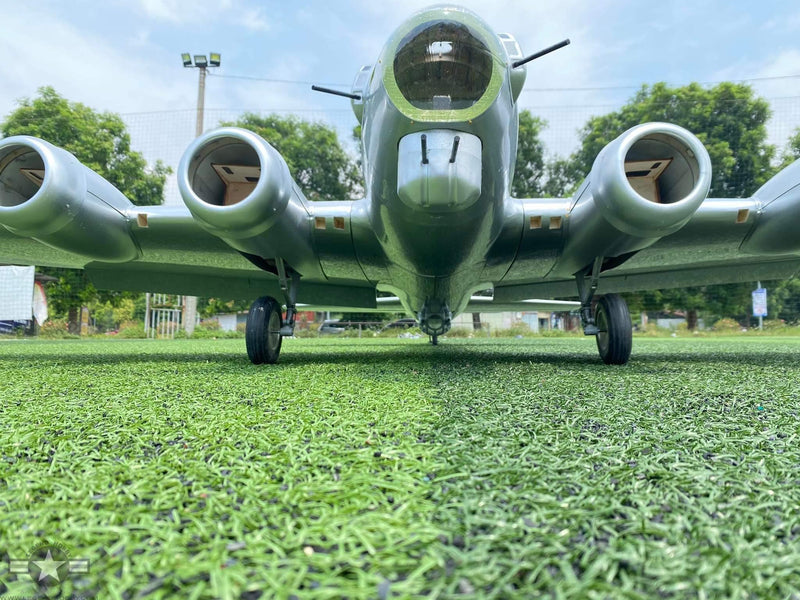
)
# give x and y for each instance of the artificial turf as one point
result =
(392, 468)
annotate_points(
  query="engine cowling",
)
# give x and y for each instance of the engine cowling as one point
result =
(48, 195)
(644, 185)
(239, 189)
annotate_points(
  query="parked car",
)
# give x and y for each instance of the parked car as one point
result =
(331, 327)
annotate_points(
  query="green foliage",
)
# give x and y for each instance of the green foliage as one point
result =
(727, 326)
(728, 118)
(783, 300)
(72, 289)
(211, 329)
(792, 151)
(108, 316)
(516, 330)
(529, 167)
(99, 140)
(55, 329)
(306, 333)
(131, 330)
(562, 178)
(209, 307)
(460, 332)
(316, 160)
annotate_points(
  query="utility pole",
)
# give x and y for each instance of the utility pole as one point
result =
(201, 63)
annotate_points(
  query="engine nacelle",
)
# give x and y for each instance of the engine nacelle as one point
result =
(239, 189)
(644, 185)
(776, 229)
(48, 195)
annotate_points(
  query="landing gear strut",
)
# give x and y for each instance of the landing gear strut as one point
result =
(266, 327)
(609, 322)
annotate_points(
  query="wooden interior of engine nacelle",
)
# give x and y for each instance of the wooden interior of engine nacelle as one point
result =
(239, 180)
(643, 176)
(34, 175)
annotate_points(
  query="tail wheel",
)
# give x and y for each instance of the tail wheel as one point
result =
(263, 331)
(615, 335)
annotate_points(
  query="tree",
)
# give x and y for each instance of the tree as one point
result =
(101, 142)
(792, 151)
(312, 151)
(783, 300)
(529, 169)
(727, 118)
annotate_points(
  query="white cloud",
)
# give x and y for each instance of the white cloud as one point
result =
(253, 19)
(183, 11)
(81, 67)
(783, 25)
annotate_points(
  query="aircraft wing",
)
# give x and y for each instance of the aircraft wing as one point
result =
(176, 256)
(56, 212)
(634, 243)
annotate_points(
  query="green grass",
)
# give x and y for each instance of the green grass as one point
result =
(382, 468)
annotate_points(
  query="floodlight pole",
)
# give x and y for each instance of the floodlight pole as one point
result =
(201, 63)
(201, 100)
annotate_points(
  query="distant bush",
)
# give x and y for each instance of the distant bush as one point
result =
(131, 330)
(726, 326)
(516, 330)
(352, 332)
(460, 332)
(212, 330)
(774, 325)
(56, 329)
(306, 333)
(653, 331)
(399, 332)
(559, 333)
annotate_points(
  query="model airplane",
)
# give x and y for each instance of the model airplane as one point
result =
(437, 224)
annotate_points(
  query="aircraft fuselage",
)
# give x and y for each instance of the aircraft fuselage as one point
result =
(439, 133)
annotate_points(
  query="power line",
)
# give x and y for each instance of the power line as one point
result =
(537, 90)
(629, 87)
(268, 80)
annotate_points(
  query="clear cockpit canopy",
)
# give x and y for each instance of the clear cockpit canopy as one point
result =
(442, 65)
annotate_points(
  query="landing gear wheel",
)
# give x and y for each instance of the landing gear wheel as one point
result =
(615, 333)
(263, 331)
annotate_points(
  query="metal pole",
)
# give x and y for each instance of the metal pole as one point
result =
(201, 100)
(760, 318)
(190, 302)
(147, 314)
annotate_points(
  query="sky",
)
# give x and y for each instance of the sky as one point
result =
(124, 56)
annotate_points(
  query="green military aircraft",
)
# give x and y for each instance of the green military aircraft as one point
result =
(437, 232)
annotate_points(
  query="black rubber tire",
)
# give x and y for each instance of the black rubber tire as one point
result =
(263, 331)
(615, 335)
